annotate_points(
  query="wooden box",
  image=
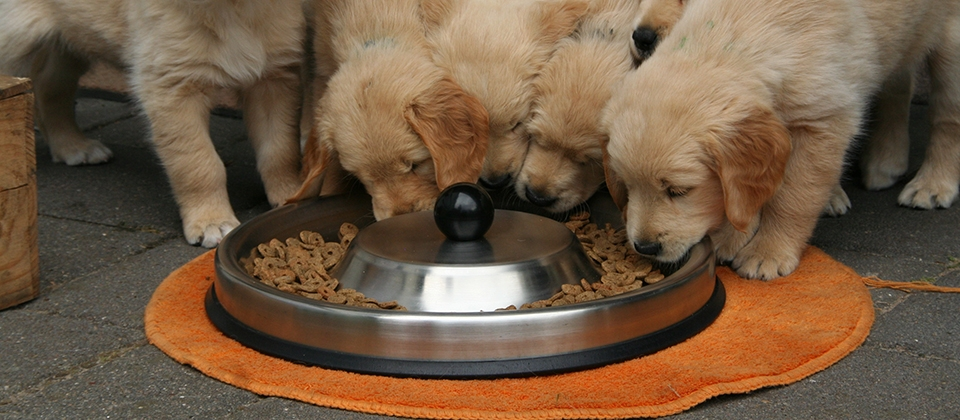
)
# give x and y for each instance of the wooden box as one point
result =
(19, 259)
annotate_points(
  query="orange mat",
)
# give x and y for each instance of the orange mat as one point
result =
(769, 333)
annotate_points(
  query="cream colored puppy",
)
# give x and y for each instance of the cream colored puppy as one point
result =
(656, 19)
(178, 54)
(737, 125)
(494, 49)
(387, 114)
(563, 165)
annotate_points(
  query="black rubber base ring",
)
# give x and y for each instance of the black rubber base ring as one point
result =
(519, 367)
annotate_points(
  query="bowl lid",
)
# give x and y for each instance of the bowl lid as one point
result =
(464, 256)
(513, 237)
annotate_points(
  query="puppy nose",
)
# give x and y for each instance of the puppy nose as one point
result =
(539, 199)
(645, 39)
(497, 182)
(647, 248)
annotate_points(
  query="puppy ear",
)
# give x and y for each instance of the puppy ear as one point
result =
(559, 19)
(317, 162)
(615, 185)
(751, 165)
(454, 126)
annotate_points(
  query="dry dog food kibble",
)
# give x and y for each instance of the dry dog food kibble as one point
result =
(623, 270)
(301, 266)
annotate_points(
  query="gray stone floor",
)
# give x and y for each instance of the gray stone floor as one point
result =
(109, 234)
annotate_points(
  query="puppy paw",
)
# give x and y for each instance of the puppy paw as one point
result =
(768, 256)
(728, 241)
(838, 204)
(927, 192)
(766, 265)
(81, 152)
(208, 232)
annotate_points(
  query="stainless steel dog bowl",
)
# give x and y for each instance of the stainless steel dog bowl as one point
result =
(462, 337)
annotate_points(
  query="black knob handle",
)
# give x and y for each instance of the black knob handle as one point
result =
(463, 212)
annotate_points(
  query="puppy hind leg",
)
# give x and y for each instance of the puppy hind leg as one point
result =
(271, 114)
(887, 150)
(936, 183)
(179, 114)
(55, 74)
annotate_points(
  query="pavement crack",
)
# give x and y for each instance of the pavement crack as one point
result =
(920, 356)
(73, 371)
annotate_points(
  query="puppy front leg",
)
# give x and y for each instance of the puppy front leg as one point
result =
(271, 114)
(728, 241)
(55, 74)
(788, 219)
(887, 151)
(179, 114)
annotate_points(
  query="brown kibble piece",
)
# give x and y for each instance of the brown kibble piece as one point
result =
(654, 277)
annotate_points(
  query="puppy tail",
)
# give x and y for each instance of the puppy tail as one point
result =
(455, 127)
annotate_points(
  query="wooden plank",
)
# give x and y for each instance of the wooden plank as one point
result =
(19, 256)
(19, 259)
(17, 152)
(13, 86)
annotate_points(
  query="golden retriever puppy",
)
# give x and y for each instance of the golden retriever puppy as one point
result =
(178, 54)
(387, 114)
(562, 166)
(494, 49)
(656, 19)
(737, 125)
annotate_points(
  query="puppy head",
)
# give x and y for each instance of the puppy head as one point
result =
(694, 151)
(562, 167)
(494, 52)
(403, 138)
(656, 19)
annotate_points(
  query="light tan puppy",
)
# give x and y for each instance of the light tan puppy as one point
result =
(737, 125)
(495, 49)
(178, 54)
(387, 114)
(655, 21)
(563, 165)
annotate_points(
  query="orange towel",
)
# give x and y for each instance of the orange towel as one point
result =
(769, 333)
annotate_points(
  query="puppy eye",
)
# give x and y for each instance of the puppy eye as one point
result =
(517, 126)
(676, 192)
(424, 167)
